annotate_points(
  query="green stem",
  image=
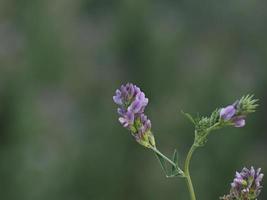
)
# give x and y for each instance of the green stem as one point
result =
(168, 160)
(187, 173)
(188, 159)
(163, 156)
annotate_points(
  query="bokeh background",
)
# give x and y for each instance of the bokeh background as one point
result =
(60, 63)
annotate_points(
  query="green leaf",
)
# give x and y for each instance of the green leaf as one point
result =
(175, 160)
(162, 164)
(188, 116)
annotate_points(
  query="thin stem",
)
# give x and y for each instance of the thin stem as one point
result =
(163, 156)
(187, 173)
(188, 159)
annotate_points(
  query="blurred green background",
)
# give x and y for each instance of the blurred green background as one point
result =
(60, 63)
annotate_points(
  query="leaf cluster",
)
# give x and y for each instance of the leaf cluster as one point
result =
(247, 104)
(203, 125)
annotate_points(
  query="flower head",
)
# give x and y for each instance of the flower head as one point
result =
(132, 102)
(247, 184)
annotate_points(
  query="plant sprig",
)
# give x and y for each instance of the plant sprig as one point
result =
(132, 103)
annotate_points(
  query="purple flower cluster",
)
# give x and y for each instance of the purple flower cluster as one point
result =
(132, 102)
(229, 113)
(246, 184)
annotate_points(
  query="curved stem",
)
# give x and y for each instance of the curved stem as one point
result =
(187, 173)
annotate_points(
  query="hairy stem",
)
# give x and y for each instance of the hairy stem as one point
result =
(187, 173)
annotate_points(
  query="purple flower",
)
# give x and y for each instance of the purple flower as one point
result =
(228, 112)
(132, 103)
(131, 100)
(239, 121)
(127, 119)
(247, 184)
(125, 94)
(139, 104)
(117, 98)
